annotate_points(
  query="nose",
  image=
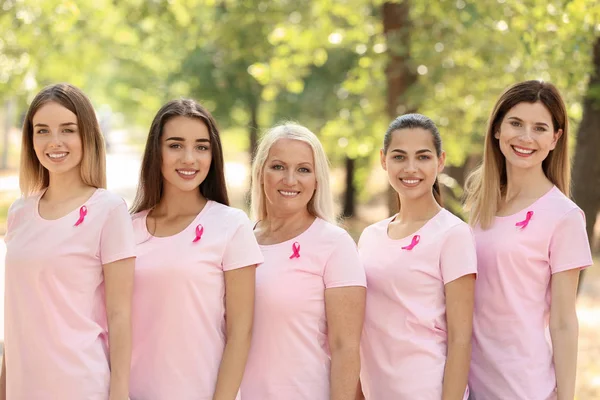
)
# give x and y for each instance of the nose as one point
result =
(527, 134)
(188, 156)
(290, 177)
(410, 166)
(55, 140)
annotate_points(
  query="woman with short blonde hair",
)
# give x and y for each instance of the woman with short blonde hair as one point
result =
(310, 290)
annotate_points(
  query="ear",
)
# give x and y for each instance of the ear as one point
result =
(441, 162)
(382, 159)
(497, 135)
(557, 136)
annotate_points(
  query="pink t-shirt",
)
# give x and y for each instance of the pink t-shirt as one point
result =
(512, 354)
(289, 356)
(179, 330)
(54, 297)
(404, 341)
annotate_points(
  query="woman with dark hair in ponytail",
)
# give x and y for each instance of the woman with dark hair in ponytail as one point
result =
(421, 268)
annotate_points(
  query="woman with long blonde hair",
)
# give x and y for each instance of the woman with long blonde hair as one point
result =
(531, 244)
(310, 294)
(69, 261)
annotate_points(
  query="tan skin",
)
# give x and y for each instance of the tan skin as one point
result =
(186, 146)
(56, 131)
(529, 126)
(411, 156)
(290, 169)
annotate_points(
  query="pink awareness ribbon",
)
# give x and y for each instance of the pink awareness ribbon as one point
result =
(523, 224)
(296, 250)
(82, 214)
(199, 232)
(413, 243)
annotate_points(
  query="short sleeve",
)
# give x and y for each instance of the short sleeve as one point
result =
(458, 257)
(117, 239)
(11, 217)
(343, 268)
(569, 245)
(242, 249)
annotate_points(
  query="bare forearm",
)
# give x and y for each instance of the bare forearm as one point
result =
(3, 378)
(564, 343)
(345, 370)
(456, 372)
(119, 337)
(232, 367)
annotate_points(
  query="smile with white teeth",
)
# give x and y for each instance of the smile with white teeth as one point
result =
(57, 155)
(186, 172)
(410, 181)
(522, 150)
(288, 193)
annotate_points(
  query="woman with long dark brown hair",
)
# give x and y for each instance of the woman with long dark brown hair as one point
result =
(196, 264)
(69, 261)
(421, 268)
(531, 244)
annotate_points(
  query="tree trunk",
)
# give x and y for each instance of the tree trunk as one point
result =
(350, 193)
(253, 129)
(396, 27)
(586, 167)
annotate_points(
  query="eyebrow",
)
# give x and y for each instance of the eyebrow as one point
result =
(46, 126)
(418, 151)
(536, 123)
(283, 162)
(180, 139)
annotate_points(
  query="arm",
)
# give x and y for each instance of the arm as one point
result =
(345, 309)
(239, 308)
(459, 319)
(564, 329)
(3, 377)
(359, 392)
(118, 281)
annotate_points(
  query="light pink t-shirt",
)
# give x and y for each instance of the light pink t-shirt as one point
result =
(512, 354)
(289, 356)
(179, 330)
(404, 341)
(54, 297)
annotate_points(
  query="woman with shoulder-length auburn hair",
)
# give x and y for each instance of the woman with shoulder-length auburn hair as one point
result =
(310, 290)
(531, 244)
(196, 265)
(69, 261)
(421, 267)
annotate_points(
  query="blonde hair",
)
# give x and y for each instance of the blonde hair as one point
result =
(486, 186)
(321, 204)
(33, 177)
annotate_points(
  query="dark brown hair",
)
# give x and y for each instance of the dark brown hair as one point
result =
(487, 184)
(412, 121)
(150, 187)
(33, 176)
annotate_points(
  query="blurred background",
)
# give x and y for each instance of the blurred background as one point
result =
(343, 68)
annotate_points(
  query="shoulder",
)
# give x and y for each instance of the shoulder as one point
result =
(377, 228)
(106, 199)
(226, 213)
(557, 202)
(453, 225)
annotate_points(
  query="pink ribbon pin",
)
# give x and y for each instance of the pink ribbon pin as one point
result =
(82, 214)
(523, 224)
(413, 243)
(296, 250)
(199, 232)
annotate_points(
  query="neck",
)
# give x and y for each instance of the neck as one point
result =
(420, 209)
(175, 202)
(276, 221)
(531, 182)
(65, 186)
